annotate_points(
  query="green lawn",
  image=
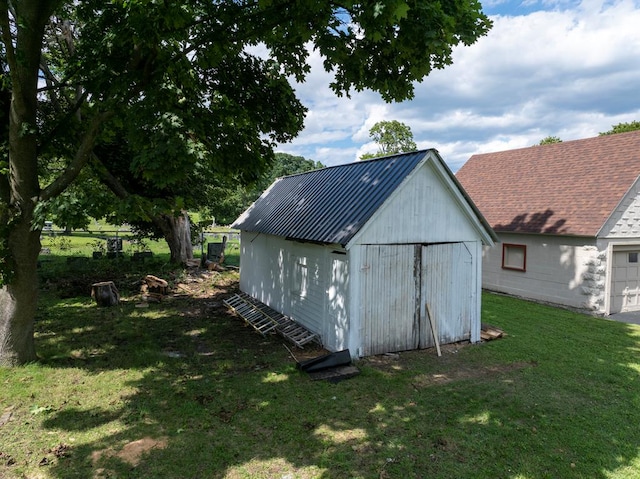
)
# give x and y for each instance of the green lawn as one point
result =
(182, 389)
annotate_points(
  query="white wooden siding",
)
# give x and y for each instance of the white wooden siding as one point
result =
(397, 283)
(388, 299)
(448, 285)
(335, 335)
(310, 276)
(424, 210)
(265, 271)
(307, 282)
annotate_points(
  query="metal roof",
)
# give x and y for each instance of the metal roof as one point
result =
(329, 205)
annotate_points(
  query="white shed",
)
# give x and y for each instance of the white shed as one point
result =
(356, 252)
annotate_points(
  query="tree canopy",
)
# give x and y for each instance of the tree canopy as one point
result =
(229, 201)
(622, 128)
(548, 140)
(392, 137)
(189, 89)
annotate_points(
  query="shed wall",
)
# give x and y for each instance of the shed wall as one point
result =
(305, 281)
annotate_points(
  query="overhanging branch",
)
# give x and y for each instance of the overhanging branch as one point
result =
(80, 159)
(108, 179)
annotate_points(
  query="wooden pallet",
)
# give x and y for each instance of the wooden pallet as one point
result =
(267, 320)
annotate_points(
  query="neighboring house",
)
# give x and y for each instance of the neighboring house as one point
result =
(356, 252)
(568, 217)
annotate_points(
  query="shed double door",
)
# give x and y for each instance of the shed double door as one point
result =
(398, 281)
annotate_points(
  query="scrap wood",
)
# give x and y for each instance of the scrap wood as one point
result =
(155, 284)
(434, 329)
(488, 332)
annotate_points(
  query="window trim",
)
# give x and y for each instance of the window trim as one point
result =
(523, 248)
(300, 277)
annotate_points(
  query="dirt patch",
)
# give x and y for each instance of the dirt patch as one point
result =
(459, 374)
(131, 453)
(390, 362)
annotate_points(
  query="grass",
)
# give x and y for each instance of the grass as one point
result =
(183, 390)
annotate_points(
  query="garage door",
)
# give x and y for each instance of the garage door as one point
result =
(625, 286)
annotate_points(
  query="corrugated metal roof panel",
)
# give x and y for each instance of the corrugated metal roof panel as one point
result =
(329, 205)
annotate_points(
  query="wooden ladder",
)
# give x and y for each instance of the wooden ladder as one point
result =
(251, 314)
(267, 320)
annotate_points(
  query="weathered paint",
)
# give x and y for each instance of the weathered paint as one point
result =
(426, 208)
(421, 244)
(305, 281)
(398, 281)
(388, 298)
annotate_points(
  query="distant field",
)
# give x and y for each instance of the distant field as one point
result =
(56, 243)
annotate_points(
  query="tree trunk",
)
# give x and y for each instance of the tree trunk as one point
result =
(19, 183)
(19, 189)
(177, 233)
(18, 299)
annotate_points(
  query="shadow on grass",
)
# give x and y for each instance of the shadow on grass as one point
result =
(213, 399)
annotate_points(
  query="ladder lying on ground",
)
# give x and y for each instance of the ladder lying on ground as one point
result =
(266, 320)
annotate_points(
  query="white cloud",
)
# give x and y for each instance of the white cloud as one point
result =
(570, 71)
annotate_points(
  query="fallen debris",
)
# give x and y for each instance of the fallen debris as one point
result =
(333, 367)
(488, 332)
(6, 415)
(6, 460)
(156, 285)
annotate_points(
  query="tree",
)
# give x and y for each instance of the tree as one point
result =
(231, 200)
(179, 79)
(392, 137)
(548, 140)
(622, 128)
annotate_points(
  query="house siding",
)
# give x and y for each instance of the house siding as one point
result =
(624, 222)
(560, 269)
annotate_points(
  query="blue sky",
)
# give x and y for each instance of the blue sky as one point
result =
(566, 69)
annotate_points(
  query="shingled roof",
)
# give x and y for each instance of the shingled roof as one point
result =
(568, 188)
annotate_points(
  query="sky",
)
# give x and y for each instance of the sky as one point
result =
(569, 69)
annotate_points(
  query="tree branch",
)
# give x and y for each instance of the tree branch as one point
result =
(80, 159)
(107, 178)
(5, 25)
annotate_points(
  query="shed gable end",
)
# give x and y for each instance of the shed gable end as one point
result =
(425, 209)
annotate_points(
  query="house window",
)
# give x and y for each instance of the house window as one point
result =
(300, 277)
(633, 257)
(514, 256)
